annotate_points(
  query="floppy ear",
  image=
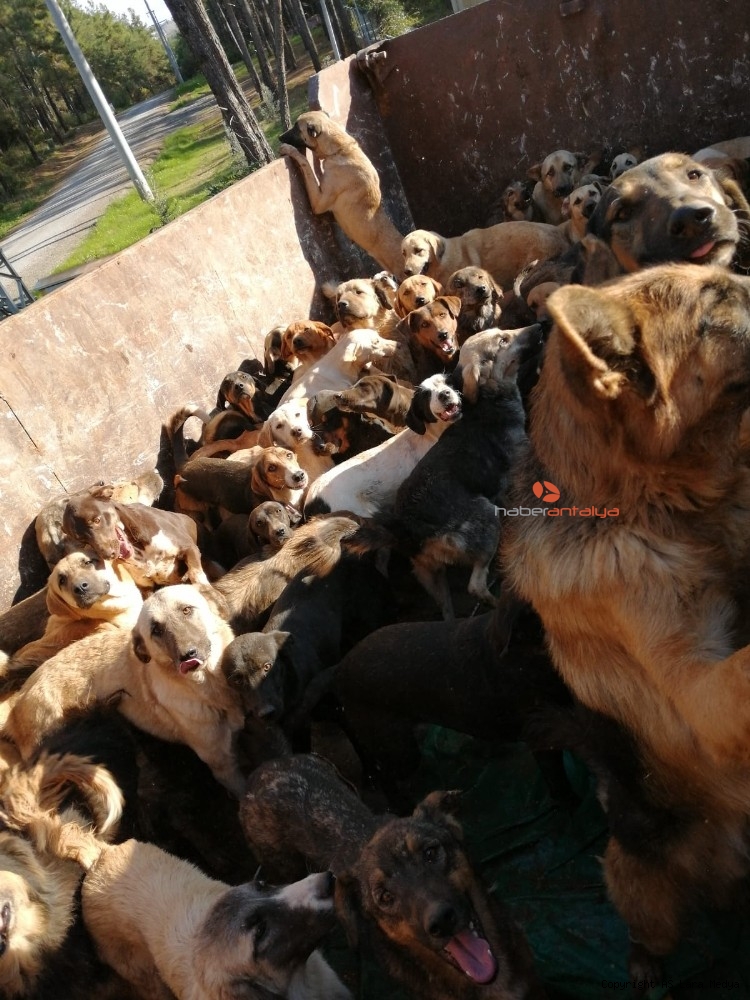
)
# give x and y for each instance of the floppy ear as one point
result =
(330, 290)
(452, 303)
(352, 352)
(293, 514)
(349, 906)
(412, 320)
(436, 285)
(734, 197)
(265, 437)
(440, 808)
(326, 332)
(216, 601)
(385, 295)
(535, 172)
(599, 343)
(437, 243)
(139, 647)
(418, 414)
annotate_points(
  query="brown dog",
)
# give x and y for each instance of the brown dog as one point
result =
(503, 250)
(380, 395)
(556, 177)
(362, 303)
(273, 523)
(481, 300)
(405, 888)
(670, 208)
(415, 291)
(306, 341)
(349, 188)
(434, 330)
(635, 431)
(578, 208)
(158, 546)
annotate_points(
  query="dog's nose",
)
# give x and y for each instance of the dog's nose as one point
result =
(442, 335)
(441, 921)
(297, 432)
(689, 220)
(80, 588)
(343, 306)
(298, 477)
(482, 291)
(420, 300)
(280, 532)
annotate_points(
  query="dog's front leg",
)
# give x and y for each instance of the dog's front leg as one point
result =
(318, 200)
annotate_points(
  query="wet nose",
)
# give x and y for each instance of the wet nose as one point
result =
(420, 300)
(298, 477)
(690, 220)
(442, 921)
(442, 335)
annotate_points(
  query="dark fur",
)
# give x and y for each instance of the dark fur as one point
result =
(382, 396)
(433, 335)
(405, 887)
(349, 433)
(219, 483)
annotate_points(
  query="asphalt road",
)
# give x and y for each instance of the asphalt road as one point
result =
(54, 230)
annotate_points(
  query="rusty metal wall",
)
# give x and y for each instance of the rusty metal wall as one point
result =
(472, 101)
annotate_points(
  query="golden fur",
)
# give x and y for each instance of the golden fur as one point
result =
(503, 250)
(415, 291)
(164, 675)
(638, 411)
(349, 187)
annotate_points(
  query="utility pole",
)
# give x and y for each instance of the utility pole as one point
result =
(100, 102)
(329, 30)
(165, 42)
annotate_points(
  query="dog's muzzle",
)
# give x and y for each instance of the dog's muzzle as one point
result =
(294, 138)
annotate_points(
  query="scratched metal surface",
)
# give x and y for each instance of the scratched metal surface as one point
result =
(470, 102)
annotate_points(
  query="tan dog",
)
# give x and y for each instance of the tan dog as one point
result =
(577, 209)
(481, 300)
(165, 675)
(349, 188)
(536, 300)
(362, 303)
(306, 341)
(503, 250)
(85, 595)
(414, 292)
(492, 354)
(343, 364)
(635, 431)
(556, 177)
(38, 887)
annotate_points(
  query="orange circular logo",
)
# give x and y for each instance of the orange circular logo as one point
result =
(547, 492)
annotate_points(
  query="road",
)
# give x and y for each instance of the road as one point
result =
(54, 230)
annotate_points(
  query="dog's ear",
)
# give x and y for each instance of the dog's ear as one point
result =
(413, 319)
(216, 601)
(438, 245)
(599, 223)
(281, 640)
(452, 303)
(330, 290)
(100, 491)
(734, 197)
(436, 285)
(565, 208)
(384, 294)
(599, 342)
(139, 647)
(535, 172)
(293, 514)
(349, 905)
(265, 437)
(440, 808)
(419, 413)
(325, 331)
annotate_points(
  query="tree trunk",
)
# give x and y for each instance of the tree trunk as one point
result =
(351, 42)
(239, 38)
(56, 111)
(298, 17)
(193, 22)
(282, 92)
(252, 22)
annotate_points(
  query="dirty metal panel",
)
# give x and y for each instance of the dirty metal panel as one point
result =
(470, 102)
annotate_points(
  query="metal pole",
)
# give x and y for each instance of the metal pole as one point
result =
(100, 102)
(329, 29)
(165, 42)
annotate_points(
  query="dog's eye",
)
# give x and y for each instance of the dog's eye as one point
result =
(383, 898)
(431, 854)
(622, 213)
(96, 520)
(157, 629)
(272, 468)
(188, 610)
(694, 174)
(267, 667)
(62, 580)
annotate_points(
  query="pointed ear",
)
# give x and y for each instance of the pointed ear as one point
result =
(535, 172)
(734, 197)
(565, 208)
(139, 647)
(440, 808)
(452, 303)
(599, 337)
(349, 905)
(281, 639)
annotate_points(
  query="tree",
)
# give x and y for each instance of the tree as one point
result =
(191, 18)
(282, 92)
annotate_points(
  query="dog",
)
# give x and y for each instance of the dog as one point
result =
(39, 947)
(288, 426)
(536, 300)
(515, 204)
(349, 187)
(164, 675)
(274, 364)
(623, 162)
(157, 546)
(445, 510)
(348, 433)
(305, 342)
(54, 543)
(362, 304)
(415, 291)
(382, 396)
(251, 589)
(433, 333)
(556, 177)
(85, 594)
(367, 483)
(577, 209)
(503, 250)
(481, 300)
(405, 888)
(169, 930)
(663, 356)
(671, 208)
(342, 365)
(494, 354)
(273, 523)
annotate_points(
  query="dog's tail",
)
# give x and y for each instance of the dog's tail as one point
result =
(174, 428)
(34, 800)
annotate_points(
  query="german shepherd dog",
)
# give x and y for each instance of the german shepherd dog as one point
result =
(405, 889)
(640, 578)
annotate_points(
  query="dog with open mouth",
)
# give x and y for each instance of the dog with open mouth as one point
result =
(405, 888)
(367, 483)
(672, 208)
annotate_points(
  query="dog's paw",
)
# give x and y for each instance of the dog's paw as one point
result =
(286, 150)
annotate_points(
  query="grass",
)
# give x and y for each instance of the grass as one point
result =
(14, 210)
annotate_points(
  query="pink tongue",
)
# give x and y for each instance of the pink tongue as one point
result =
(187, 665)
(703, 250)
(473, 956)
(126, 549)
